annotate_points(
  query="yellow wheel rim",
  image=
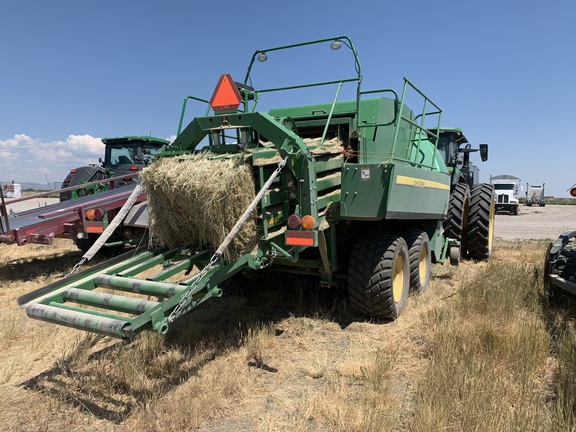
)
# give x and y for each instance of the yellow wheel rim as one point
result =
(491, 226)
(423, 265)
(398, 279)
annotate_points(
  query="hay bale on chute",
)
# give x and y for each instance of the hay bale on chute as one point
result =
(197, 199)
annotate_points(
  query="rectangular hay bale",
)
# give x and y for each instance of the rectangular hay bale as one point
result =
(196, 200)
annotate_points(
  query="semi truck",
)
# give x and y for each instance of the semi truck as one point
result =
(352, 193)
(507, 191)
(535, 195)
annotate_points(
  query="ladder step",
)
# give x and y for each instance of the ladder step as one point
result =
(80, 320)
(109, 301)
(140, 286)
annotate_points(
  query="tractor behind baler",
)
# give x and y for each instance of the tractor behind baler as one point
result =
(354, 193)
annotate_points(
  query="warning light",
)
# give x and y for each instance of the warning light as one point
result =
(308, 222)
(226, 96)
(94, 214)
(573, 191)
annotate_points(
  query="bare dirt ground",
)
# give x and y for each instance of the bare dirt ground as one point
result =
(536, 223)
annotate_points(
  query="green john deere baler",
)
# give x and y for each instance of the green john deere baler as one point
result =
(353, 193)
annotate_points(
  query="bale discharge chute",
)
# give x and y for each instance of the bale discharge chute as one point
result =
(352, 192)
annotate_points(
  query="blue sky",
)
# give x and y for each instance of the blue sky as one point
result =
(72, 72)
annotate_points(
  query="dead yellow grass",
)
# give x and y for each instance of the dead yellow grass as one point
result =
(480, 350)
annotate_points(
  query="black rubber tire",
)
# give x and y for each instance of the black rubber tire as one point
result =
(566, 261)
(456, 221)
(529, 203)
(85, 243)
(379, 276)
(420, 257)
(82, 175)
(481, 222)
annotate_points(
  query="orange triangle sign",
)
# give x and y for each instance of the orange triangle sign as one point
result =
(226, 96)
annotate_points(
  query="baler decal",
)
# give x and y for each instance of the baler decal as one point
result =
(418, 182)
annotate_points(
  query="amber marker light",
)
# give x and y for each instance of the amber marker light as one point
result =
(573, 191)
(94, 214)
(308, 222)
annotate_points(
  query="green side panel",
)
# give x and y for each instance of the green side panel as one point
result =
(416, 193)
(393, 191)
(365, 190)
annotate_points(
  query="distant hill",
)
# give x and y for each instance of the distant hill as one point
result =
(34, 186)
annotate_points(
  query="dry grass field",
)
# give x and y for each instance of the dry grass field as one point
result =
(483, 350)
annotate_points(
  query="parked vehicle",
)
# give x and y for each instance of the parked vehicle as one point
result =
(535, 195)
(507, 189)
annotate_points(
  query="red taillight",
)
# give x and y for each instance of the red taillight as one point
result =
(133, 168)
(72, 171)
(294, 221)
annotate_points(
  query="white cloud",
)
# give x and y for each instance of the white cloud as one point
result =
(27, 159)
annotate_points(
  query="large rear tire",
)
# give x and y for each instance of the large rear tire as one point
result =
(456, 221)
(420, 258)
(379, 276)
(82, 175)
(481, 222)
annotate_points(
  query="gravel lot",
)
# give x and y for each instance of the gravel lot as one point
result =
(536, 222)
(28, 205)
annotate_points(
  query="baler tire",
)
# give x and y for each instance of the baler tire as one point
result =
(456, 221)
(420, 258)
(379, 276)
(481, 222)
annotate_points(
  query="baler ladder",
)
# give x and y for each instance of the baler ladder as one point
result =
(84, 301)
(136, 311)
